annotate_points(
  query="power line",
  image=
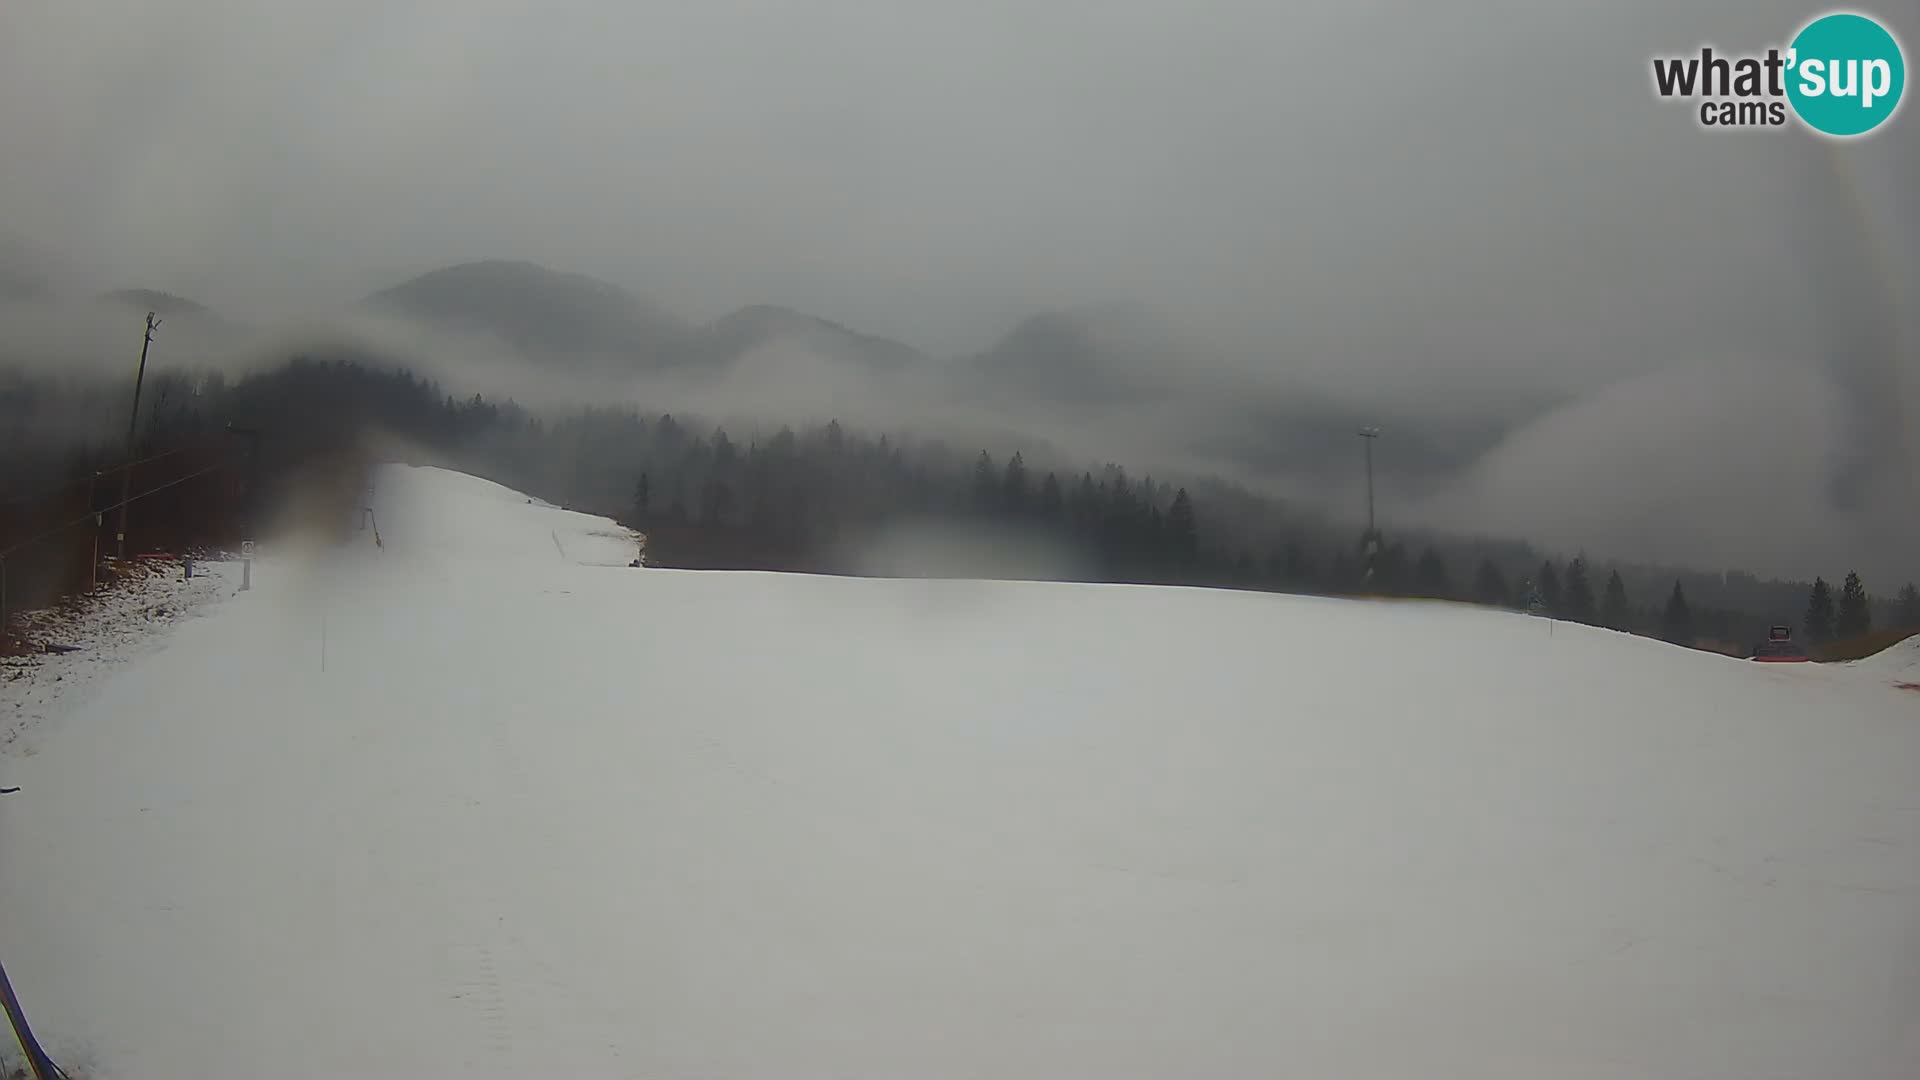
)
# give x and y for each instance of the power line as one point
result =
(47, 494)
(107, 509)
(77, 521)
(111, 469)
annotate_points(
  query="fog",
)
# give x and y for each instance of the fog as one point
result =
(1696, 346)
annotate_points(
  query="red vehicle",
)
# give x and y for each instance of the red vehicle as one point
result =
(1780, 648)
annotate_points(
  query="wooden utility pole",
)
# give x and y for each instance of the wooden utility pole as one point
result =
(133, 426)
(1370, 542)
(93, 504)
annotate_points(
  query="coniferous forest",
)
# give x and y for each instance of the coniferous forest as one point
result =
(814, 496)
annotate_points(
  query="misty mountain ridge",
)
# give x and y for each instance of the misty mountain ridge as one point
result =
(559, 317)
(575, 320)
(554, 315)
(162, 304)
(1088, 354)
(1107, 382)
(741, 332)
(541, 312)
(1099, 351)
(1097, 381)
(1089, 366)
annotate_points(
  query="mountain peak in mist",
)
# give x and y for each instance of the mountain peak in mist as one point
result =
(1091, 350)
(160, 303)
(761, 325)
(540, 311)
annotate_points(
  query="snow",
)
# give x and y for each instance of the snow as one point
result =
(464, 804)
(433, 515)
(1899, 663)
(105, 630)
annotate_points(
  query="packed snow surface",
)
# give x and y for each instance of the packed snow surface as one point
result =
(483, 800)
(95, 634)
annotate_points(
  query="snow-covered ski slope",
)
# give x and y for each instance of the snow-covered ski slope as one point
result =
(484, 801)
(1901, 663)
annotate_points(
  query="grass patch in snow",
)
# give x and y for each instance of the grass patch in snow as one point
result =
(1861, 647)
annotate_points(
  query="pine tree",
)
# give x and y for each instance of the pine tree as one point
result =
(642, 494)
(1151, 541)
(1287, 566)
(1906, 613)
(1531, 599)
(1013, 493)
(1615, 612)
(763, 516)
(1852, 618)
(1182, 536)
(1677, 624)
(1490, 586)
(1244, 573)
(986, 486)
(1548, 582)
(719, 502)
(1086, 504)
(1050, 501)
(1390, 571)
(1430, 575)
(1579, 592)
(1298, 568)
(669, 433)
(1818, 628)
(1344, 575)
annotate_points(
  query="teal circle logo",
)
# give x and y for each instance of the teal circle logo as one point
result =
(1846, 74)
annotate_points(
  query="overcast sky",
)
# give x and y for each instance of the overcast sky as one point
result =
(1395, 197)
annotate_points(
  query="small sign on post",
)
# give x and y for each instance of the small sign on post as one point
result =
(246, 565)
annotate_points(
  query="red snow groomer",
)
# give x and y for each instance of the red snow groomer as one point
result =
(1780, 648)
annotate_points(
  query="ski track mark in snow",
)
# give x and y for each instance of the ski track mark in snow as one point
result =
(491, 1004)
